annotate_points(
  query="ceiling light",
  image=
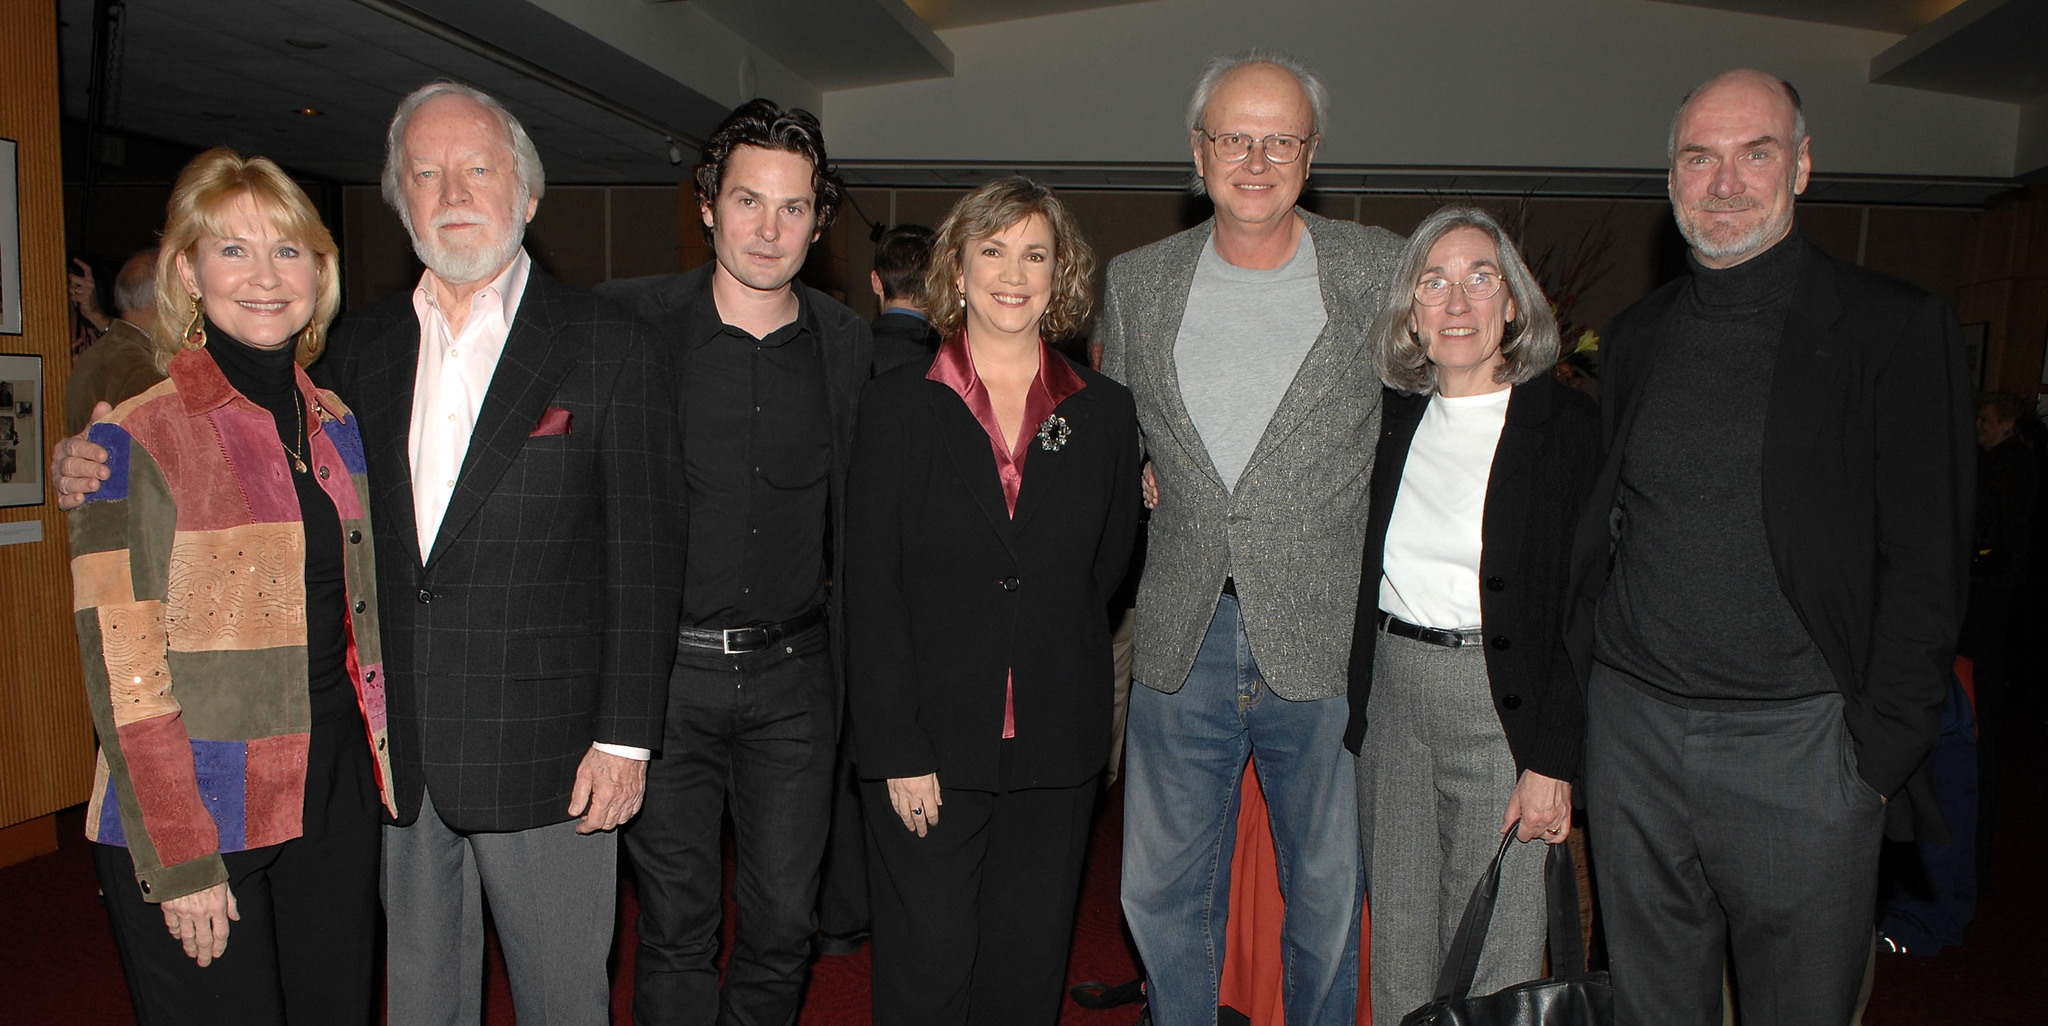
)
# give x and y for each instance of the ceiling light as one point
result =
(307, 112)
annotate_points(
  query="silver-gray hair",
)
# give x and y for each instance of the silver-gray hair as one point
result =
(1220, 67)
(135, 286)
(1798, 117)
(525, 159)
(1530, 343)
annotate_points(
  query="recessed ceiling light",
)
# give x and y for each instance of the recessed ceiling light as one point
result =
(305, 44)
(307, 112)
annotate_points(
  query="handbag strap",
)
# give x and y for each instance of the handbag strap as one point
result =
(1561, 893)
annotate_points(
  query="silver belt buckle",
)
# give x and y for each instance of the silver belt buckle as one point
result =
(725, 639)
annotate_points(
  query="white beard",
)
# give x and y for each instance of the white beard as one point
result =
(461, 266)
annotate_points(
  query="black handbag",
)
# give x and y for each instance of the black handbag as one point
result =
(1570, 997)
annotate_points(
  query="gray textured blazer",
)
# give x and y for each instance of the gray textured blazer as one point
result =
(1292, 531)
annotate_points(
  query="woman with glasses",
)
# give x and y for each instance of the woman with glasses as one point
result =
(1465, 712)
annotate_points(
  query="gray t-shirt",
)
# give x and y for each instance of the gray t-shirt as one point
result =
(1243, 337)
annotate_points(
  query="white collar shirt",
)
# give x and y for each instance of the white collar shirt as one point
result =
(449, 383)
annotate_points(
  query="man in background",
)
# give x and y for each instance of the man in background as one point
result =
(122, 363)
(903, 334)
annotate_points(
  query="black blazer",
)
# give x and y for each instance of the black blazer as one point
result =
(901, 339)
(945, 592)
(1548, 451)
(1868, 476)
(543, 617)
(661, 302)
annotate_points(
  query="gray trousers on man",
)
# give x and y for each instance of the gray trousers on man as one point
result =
(1434, 777)
(554, 899)
(1729, 831)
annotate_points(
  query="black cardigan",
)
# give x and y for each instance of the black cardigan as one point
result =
(1549, 449)
(945, 591)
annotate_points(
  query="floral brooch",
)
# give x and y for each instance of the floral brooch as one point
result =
(1053, 434)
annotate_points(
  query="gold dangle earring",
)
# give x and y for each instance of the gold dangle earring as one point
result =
(195, 329)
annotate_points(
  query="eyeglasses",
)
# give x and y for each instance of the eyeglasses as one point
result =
(1437, 291)
(1280, 148)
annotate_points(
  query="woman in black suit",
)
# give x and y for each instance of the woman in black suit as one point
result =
(1465, 712)
(994, 496)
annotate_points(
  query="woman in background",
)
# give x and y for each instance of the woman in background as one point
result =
(1467, 707)
(227, 620)
(995, 493)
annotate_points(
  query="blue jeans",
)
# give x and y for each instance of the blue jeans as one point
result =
(1186, 754)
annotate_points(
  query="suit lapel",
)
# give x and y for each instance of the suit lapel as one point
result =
(384, 416)
(967, 445)
(528, 371)
(1159, 358)
(1044, 467)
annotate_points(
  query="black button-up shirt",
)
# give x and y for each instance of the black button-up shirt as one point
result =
(757, 459)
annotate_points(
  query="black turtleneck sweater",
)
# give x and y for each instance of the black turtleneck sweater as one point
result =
(265, 377)
(1694, 611)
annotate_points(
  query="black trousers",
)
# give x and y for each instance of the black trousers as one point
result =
(755, 733)
(303, 951)
(973, 921)
(1746, 832)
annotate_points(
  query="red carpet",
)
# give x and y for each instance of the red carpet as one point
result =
(57, 963)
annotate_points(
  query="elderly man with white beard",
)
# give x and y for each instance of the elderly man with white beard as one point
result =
(521, 443)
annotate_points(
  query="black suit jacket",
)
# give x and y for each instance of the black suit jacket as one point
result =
(946, 592)
(901, 339)
(661, 301)
(543, 617)
(1867, 491)
(1549, 448)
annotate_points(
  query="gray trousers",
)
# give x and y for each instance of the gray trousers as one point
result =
(1434, 778)
(1743, 831)
(554, 899)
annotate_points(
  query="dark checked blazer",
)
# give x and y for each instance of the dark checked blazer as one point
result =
(946, 593)
(543, 618)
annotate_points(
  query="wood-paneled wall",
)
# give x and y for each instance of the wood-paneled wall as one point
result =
(46, 739)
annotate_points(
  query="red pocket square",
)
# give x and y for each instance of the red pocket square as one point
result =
(555, 421)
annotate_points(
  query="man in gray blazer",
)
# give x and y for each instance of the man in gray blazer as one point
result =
(1244, 341)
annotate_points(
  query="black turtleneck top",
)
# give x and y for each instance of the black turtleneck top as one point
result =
(266, 378)
(1693, 611)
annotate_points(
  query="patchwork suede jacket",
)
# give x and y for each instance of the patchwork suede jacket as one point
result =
(189, 596)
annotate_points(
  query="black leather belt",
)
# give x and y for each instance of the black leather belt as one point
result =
(752, 638)
(1400, 628)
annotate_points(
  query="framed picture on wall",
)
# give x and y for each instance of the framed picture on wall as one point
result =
(10, 245)
(21, 435)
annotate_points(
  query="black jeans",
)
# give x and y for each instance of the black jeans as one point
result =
(755, 733)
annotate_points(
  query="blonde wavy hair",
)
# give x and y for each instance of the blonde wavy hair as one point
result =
(990, 210)
(199, 207)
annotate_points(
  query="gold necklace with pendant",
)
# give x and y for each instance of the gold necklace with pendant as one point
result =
(298, 459)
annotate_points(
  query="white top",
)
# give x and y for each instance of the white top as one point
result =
(1241, 341)
(1430, 574)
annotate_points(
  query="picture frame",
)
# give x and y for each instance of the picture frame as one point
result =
(21, 430)
(10, 242)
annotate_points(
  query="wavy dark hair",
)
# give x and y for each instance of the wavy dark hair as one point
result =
(761, 122)
(991, 209)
